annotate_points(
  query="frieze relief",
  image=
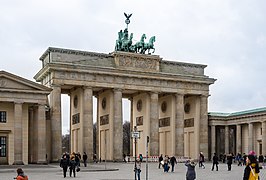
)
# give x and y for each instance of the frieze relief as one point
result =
(3, 83)
(138, 63)
(128, 80)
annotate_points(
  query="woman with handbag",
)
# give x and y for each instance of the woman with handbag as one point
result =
(252, 170)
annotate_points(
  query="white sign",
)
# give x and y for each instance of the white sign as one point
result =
(135, 134)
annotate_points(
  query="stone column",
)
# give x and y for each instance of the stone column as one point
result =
(263, 137)
(238, 139)
(18, 134)
(250, 137)
(88, 122)
(131, 126)
(213, 139)
(31, 135)
(98, 129)
(41, 134)
(118, 126)
(154, 125)
(226, 139)
(56, 129)
(179, 125)
(203, 131)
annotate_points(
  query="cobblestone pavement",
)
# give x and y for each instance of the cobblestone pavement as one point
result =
(124, 171)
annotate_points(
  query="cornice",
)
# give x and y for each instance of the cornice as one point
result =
(71, 51)
(184, 64)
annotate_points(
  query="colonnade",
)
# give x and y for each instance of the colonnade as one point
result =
(247, 136)
(84, 132)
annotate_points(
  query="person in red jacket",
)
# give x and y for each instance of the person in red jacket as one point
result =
(21, 175)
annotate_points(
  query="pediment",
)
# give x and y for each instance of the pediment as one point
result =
(10, 81)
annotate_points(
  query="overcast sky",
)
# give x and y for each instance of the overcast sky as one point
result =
(227, 35)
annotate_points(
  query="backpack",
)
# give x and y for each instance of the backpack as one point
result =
(253, 175)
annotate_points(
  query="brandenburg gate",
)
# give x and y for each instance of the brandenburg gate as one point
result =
(169, 102)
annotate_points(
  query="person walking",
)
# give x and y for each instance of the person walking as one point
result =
(124, 158)
(85, 157)
(64, 162)
(21, 175)
(215, 161)
(251, 171)
(138, 168)
(72, 164)
(160, 161)
(166, 164)
(191, 173)
(201, 160)
(173, 162)
(229, 161)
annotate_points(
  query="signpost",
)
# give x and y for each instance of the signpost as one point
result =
(135, 135)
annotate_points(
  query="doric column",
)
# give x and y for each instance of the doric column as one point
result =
(226, 139)
(98, 128)
(213, 139)
(131, 126)
(88, 122)
(56, 129)
(250, 137)
(203, 130)
(18, 134)
(118, 126)
(179, 125)
(263, 126)
(41, 134)
(154, 125)
(238, 139)
(31, 134)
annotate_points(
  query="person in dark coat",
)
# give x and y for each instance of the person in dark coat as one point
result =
(64, 162)
(215, 161)
(191, 173)
(229, 161)
(160, 161)
(85, 157)
(72, 164)
(201, 160)
(173, 162)
(252, 168)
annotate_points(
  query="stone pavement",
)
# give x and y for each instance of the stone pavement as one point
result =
(124, 171)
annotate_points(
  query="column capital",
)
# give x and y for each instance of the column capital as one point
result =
(117, 89)
(86, 87)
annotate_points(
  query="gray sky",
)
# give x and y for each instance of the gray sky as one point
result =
(227, 35)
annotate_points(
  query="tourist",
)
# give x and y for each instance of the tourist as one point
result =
(166, 164)
(239, 159)
(85, 157)
(261, 160)
(95, 158)
(173, 162)
(140, 157)
(21, 175)
(201, 160)
(72, 164)
(229, 161)
(124, 158)
(138, 168)
(252, 170)
(215, 161)
(160, 161)
(64, 162)
(191, 173)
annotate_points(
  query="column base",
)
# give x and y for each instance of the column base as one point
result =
(42, 162)
(18, 163)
